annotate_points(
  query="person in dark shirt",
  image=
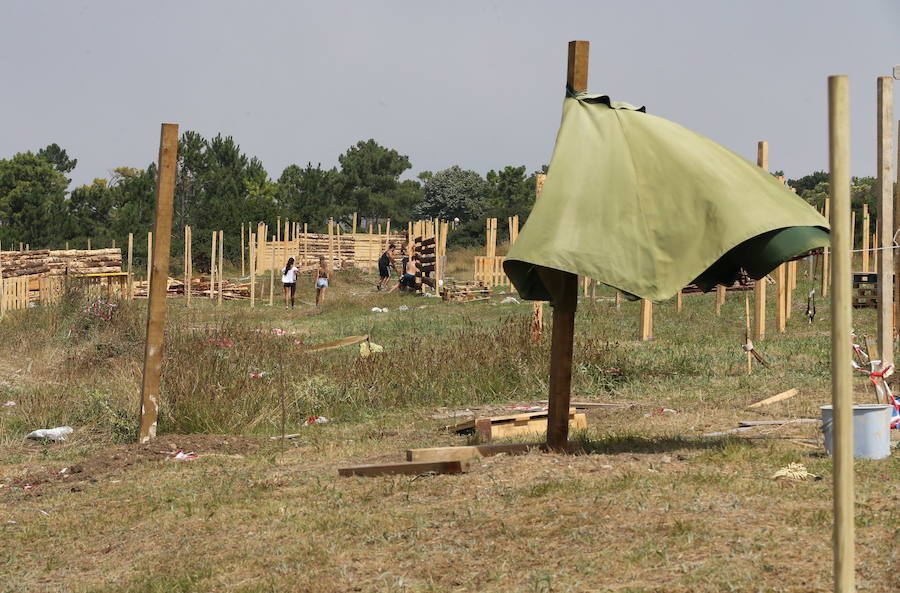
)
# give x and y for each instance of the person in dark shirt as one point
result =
(385, 263)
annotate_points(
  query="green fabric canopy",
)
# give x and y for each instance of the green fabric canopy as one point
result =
(646, 206)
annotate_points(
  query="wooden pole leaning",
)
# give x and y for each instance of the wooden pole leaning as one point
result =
(759, 290)
(156, 309)
(841, 322)
(566, 303)
(885, 229)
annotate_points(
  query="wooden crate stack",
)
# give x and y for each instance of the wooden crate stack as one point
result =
(865, 291)
(462, 291)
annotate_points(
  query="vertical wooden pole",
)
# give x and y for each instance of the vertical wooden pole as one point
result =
(130, 274)
(841, 322)
(826, 256)
(865, 239)
(759, 319)
(789, 292)
(272, 275)
(890, 241)
(221, 266)
(354, 222)
(149, 260)
(184, 266)
(252, 270)
(852, 236)
(885, 222)
(156, 309)
(331, 242)
(89, 244)
(2, 287)
(566, 303)
(243, 270)
(679, 301)
(780, 293)
(190, 263)
(305, 243)
(646, 322)
(212, 266)
(747, 331)
(720, 298)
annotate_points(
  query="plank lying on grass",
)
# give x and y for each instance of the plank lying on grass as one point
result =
(779, 422)
(775, 398)
(409, 468)
(520, 417)
(467, 452)
(488, 431)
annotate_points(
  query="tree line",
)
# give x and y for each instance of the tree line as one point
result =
(219, 187)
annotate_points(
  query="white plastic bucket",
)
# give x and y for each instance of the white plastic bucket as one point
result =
(871, 430)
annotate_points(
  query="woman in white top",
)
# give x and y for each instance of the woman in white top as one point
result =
(289, 281)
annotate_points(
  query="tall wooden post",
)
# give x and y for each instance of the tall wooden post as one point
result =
(221, 266)
(354, 223)
(885, 228)
(272, 274)
(2, 289)
(720, 299)
(780, 294)
(190, 263)
(305, 243)
(826, 256)
(759, 318)
(212, 266)
(156, 309)
(149, 260)
(564, 307)
(184, 261)
(130, 274)
(252, 270)
(242, 251)
(865, 239)
(841, 322)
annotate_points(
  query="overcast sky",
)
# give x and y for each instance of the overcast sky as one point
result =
(478, 84)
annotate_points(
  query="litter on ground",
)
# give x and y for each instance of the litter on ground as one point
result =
(54, 434)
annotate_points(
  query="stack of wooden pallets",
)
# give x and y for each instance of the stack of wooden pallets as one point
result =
(459, 291)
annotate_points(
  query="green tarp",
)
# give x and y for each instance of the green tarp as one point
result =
(646, 206)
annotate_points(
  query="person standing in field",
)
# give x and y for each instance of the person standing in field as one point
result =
(321, 281)
(385, 263)
(289, 282)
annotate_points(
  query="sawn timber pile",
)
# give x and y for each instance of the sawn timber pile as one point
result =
(46, 262)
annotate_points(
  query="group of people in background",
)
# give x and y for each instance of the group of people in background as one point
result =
(289, 281)
(386, 263)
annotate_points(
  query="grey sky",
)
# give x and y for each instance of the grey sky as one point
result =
(479, 84)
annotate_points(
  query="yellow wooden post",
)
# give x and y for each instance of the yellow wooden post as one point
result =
(826, 256)
(212, 266)
(780, 293)
(646, 322)
(885, 229)
(252, 239)
(243, 270)
(272, 274)
(156, 310)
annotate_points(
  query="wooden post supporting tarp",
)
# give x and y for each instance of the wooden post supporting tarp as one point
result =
(759, 291)
(156, 309)
(564, 307)
(885, 228)
(841, 323)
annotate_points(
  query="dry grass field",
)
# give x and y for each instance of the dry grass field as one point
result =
(647, 505)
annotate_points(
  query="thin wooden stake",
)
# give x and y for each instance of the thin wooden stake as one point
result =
(243, 272)
(747, 332)
(272, 275)
(252, 270)
(865, 239)
(156, 310)
(221, 266)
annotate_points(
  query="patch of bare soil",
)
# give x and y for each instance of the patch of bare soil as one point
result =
(118, 458)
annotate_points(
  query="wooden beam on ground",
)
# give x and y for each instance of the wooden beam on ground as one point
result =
(488, 431)
(841, 324)
(775, 398)
(156, 310)
(406, 468)
(885, 228)
(468, 452)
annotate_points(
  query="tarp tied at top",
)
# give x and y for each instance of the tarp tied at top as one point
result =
(647, 206)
